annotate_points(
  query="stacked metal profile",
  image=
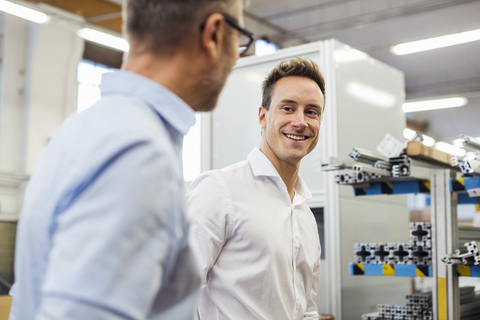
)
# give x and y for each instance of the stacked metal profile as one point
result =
(374, 167)
(358, 176)
(471, 164)
(417, 251)
(419, 307)
(469, 254)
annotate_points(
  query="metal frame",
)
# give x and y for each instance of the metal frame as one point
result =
(471, 142)
(332, 199)
(470, 166)
(446, 297)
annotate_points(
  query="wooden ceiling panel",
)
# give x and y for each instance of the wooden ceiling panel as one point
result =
(99, 12)
(110, 24)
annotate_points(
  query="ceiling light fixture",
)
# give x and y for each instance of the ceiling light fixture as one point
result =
(428, 141)
(104, 39)
(434, 104)
(409, 133)
(23, 12)
(449, 148)
(436, 43)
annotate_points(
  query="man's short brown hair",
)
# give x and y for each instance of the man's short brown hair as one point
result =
(294, 67)
(164, 25)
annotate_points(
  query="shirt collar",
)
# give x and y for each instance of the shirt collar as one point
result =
(164, 102)
(262, 166)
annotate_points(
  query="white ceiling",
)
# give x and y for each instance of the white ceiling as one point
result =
(374, 26)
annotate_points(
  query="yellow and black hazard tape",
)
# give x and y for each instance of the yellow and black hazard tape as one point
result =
(374, 189)
(398, 270)
(468, 270)
(424, 186)
(413, 186)
(420, 186)
(357, 269)
(457, 184)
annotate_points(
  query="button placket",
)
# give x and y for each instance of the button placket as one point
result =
(296, 249)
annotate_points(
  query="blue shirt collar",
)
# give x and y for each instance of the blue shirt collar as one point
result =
(164, 102)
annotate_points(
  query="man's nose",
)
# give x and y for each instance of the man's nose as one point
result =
(299, 120)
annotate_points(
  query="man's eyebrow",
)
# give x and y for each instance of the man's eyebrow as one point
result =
(295, 102)
(288, 101)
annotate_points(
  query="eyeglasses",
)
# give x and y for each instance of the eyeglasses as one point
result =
(246, 37)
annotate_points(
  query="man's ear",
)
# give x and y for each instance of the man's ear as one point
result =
(262, 116)
(212, 35)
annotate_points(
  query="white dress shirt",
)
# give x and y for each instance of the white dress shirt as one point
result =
(259, 251)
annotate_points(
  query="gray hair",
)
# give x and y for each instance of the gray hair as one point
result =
(165, 25)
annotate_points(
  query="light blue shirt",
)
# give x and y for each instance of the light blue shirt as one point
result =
(102, 233)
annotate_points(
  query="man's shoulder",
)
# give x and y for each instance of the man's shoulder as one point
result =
(223, 177)
(236, 167)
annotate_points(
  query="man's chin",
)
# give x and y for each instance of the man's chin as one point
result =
(209, 104)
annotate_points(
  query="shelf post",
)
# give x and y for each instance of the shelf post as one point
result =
(446, 297)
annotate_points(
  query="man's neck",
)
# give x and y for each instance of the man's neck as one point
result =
(289, 175)
(172, 72)
(287, 171)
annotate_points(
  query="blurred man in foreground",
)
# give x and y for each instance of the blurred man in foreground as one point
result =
(102, 233)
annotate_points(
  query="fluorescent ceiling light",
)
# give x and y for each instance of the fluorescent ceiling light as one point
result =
(434, 104)
(435, 43)
(451, 149)
(409, 133)
(458, 143)
(263, 48)
(471, 156)
(23, 12)
(371, 95)
(104, 39)
(428, 141)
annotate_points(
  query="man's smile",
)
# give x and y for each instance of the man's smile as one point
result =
(295, 136)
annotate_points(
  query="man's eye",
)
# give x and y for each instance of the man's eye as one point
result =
(312, 112)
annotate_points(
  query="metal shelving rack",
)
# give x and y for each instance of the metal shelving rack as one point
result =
(444, 201)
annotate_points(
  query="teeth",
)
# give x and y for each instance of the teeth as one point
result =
(295, 137)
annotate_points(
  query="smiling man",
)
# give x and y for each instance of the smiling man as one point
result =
(257, 238)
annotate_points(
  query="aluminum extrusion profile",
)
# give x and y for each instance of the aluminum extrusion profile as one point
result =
(363, 252)
(420, 231)
(401, 166)
(374, 172)
(471, 142)
(421, 256)
(473, 250)
(365, 156)
(382, 253)
(470, 167)
(355, 177)
(402, 253)
(385, 165)
(338, 164)
(468, 256)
